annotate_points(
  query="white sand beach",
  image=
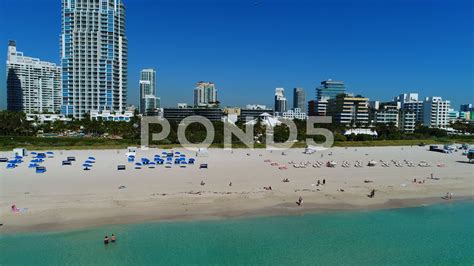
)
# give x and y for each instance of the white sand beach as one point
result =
(67, 197)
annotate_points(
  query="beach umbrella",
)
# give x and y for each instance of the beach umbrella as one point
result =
(138, 164)
(49, 152)
(87, 165)
(90, 162)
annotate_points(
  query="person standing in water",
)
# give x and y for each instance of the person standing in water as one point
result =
(106, 240)
(113, 239)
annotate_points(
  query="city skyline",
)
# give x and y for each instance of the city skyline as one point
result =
(178, 77)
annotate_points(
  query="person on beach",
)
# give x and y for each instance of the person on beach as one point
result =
(113, 239)
(372, 193)
(300, 201)
(106, 240)
(324, 181)
(15, 209)
(317, 184)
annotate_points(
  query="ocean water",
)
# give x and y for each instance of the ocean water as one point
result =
(432, 235)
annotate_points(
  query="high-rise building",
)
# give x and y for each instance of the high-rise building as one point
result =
(280, 101)
(205, 95)
(94, 57)
(466, 108)
(149, 101)
(410, 102)
(299, 99)
(33, 86)
(346, 109)
(435, 112)
(328, 90)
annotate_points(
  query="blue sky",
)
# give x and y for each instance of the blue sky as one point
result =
(250, 47)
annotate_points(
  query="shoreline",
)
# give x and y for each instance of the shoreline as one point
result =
(237, 183)
(273, 211)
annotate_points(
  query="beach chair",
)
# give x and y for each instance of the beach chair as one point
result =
(66, 163)
(40, 169)
(121, 168)
(203, 166)
(33, 165)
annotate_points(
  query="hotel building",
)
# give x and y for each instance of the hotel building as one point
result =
(347, 110)
(94, 57)
(33, 86)
(436, 112)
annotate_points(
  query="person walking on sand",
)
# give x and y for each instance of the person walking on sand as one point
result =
(324, 181)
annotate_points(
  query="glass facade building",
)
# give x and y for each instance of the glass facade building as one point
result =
(329, 89)
(299, 99)
(93, 56)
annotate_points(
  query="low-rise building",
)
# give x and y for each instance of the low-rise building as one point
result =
(251, 114)
(294, 114)
(47, 118)
(178, 114)
(407, 121)
(107, 115)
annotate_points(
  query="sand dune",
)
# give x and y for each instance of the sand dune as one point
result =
(67, 197)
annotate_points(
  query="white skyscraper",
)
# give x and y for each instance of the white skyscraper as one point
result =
(94, 56)
(33, 86)
(205, 95)
(149, 102)
(281, 104)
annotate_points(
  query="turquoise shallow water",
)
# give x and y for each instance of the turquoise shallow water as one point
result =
(433, 235)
